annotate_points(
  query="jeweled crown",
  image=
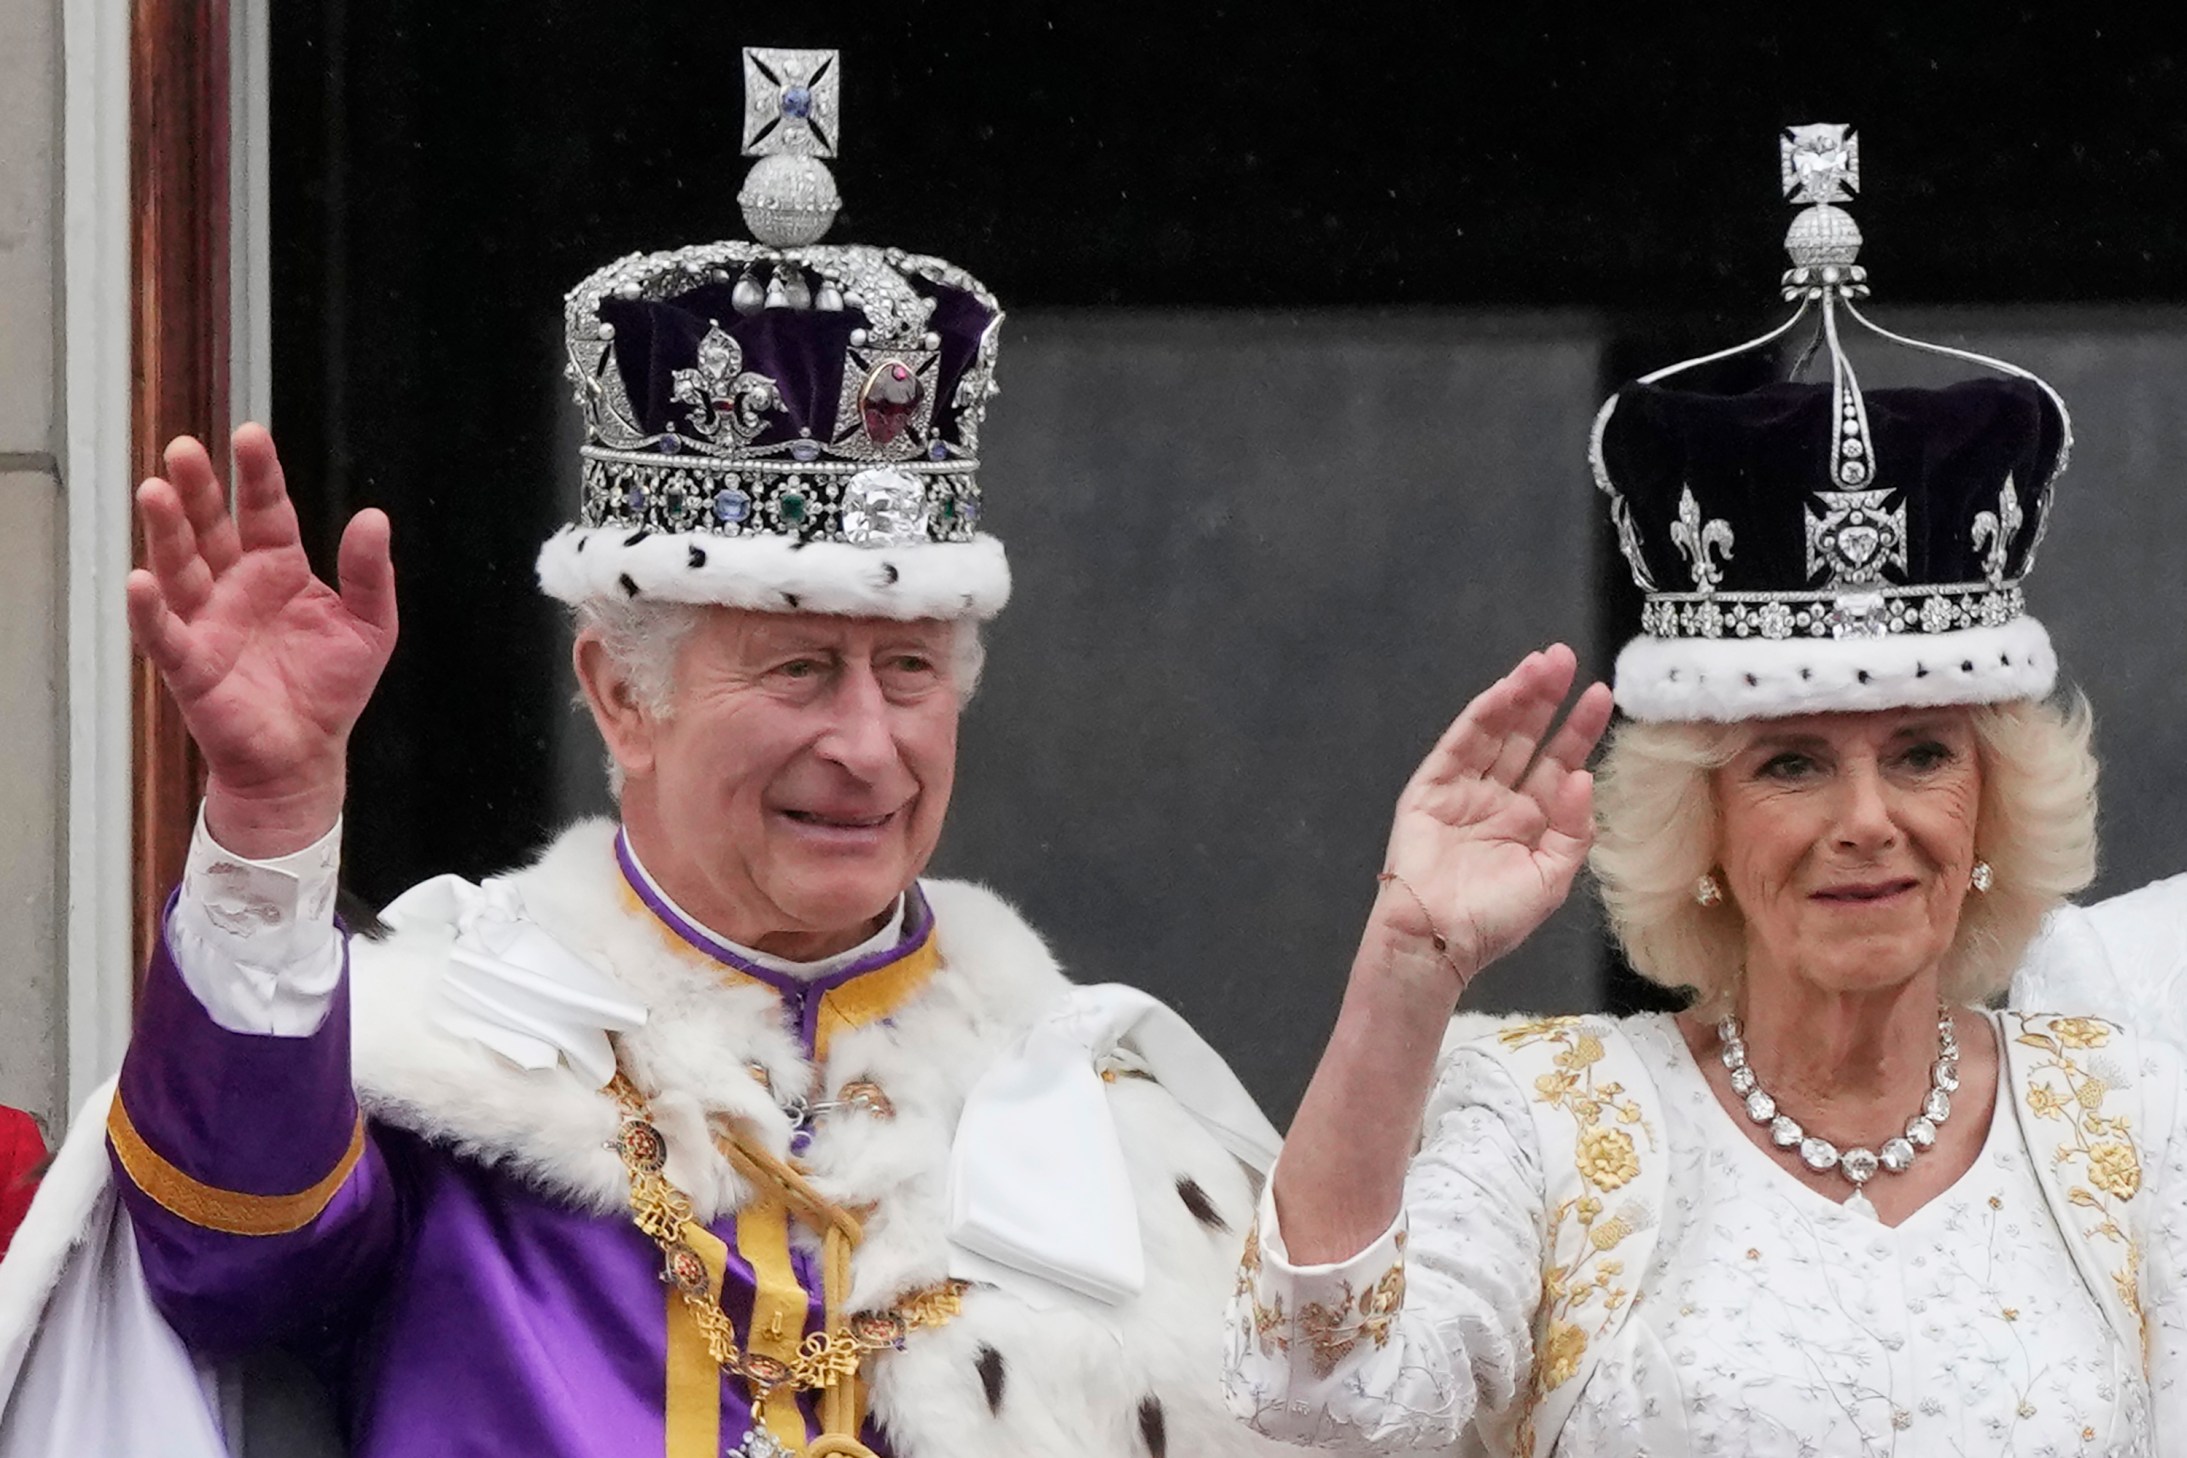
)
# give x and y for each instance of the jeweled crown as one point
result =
(784, 387)
(1826, 511)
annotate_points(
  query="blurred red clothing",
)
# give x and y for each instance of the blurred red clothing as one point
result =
(22, 1151)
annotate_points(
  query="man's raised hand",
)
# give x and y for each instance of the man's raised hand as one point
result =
(269, 665)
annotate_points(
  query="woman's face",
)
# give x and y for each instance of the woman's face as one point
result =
(1847, 843)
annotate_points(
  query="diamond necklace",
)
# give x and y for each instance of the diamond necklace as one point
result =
(1858, 1165)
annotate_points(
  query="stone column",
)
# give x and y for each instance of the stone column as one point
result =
(33, 1040)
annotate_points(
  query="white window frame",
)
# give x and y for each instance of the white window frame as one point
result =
(99, 961)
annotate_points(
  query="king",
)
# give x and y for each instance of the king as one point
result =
(718, 1128)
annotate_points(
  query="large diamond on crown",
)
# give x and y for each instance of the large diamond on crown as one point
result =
(1819, 163)
(884, 508)
(1858, 615)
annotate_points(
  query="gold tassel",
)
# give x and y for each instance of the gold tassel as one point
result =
(841, 1414)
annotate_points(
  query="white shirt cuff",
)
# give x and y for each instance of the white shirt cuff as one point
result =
(1314, 1282)
(255, 940)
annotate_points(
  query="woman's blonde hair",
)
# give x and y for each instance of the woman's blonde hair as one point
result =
(1656, 834)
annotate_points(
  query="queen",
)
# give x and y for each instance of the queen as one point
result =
(1834, 1206)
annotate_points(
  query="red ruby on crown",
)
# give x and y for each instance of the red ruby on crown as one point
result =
(888, 401)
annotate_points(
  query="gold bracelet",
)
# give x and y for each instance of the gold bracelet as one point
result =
(1435, 938)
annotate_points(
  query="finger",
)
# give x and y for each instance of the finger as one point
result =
(1502, 719)
(1468, 748)
(1570, 807)
(1581, 731)
(366, 570)
(158, 633)
(1543, 688)
(190, 471)
(204, 501)
(171, 548)
(264, 515)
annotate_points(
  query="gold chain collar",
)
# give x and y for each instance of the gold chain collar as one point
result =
(825, 1359)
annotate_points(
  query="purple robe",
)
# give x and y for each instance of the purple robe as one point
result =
(449, 1307)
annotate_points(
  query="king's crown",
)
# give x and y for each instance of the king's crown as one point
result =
(785, 386)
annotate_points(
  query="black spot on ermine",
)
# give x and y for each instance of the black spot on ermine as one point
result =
(989, 1363)
(629, 587)
(698, 556)
(1202, 1208)
(356, 914)
(1154, 1427)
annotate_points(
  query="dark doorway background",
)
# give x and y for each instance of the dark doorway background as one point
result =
(442, 173)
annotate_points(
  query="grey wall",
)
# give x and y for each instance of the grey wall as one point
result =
(32, 996)
(1260, 561)
(2111, 583)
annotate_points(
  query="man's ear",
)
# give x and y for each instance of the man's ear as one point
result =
(625, 724)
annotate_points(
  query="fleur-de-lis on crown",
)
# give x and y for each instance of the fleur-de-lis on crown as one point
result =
(725, 398)
(1994, 531)
(1628, 540)
(1698, 539)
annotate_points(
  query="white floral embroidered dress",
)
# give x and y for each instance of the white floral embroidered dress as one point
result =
(1767, 1319)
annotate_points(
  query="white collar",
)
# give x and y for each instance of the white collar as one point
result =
(892, 929)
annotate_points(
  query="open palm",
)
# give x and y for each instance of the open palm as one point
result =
(1494, 824)
(269, 665)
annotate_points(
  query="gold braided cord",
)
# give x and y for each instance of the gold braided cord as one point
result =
(763, 1170)
(835, 1445)
(827, 1361)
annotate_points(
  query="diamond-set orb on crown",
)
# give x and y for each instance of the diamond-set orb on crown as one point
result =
(792, 105)
(1820, 165)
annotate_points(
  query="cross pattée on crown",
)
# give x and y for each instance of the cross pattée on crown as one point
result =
(1819, 163)
(793, 102)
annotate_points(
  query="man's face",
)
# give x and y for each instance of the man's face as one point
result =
(799, 781)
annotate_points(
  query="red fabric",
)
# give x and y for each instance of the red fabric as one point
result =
(22, 1150)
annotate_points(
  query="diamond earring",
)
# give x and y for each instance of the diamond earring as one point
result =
(1706, 892)
(1982, 877)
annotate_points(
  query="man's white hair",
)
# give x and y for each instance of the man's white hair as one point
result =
(641, 637)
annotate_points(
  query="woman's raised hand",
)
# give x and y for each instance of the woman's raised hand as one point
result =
(1488, 835)
(269, 665)
(1495, 822)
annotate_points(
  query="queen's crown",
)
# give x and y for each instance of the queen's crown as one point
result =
(1825, 510)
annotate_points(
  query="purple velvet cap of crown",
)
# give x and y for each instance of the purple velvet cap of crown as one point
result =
(804, 351)
(1752, 461)
(1803, 551)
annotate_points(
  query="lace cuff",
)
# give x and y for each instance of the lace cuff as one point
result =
(1300, 1336)
(1321, 1313)
(254, 940)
